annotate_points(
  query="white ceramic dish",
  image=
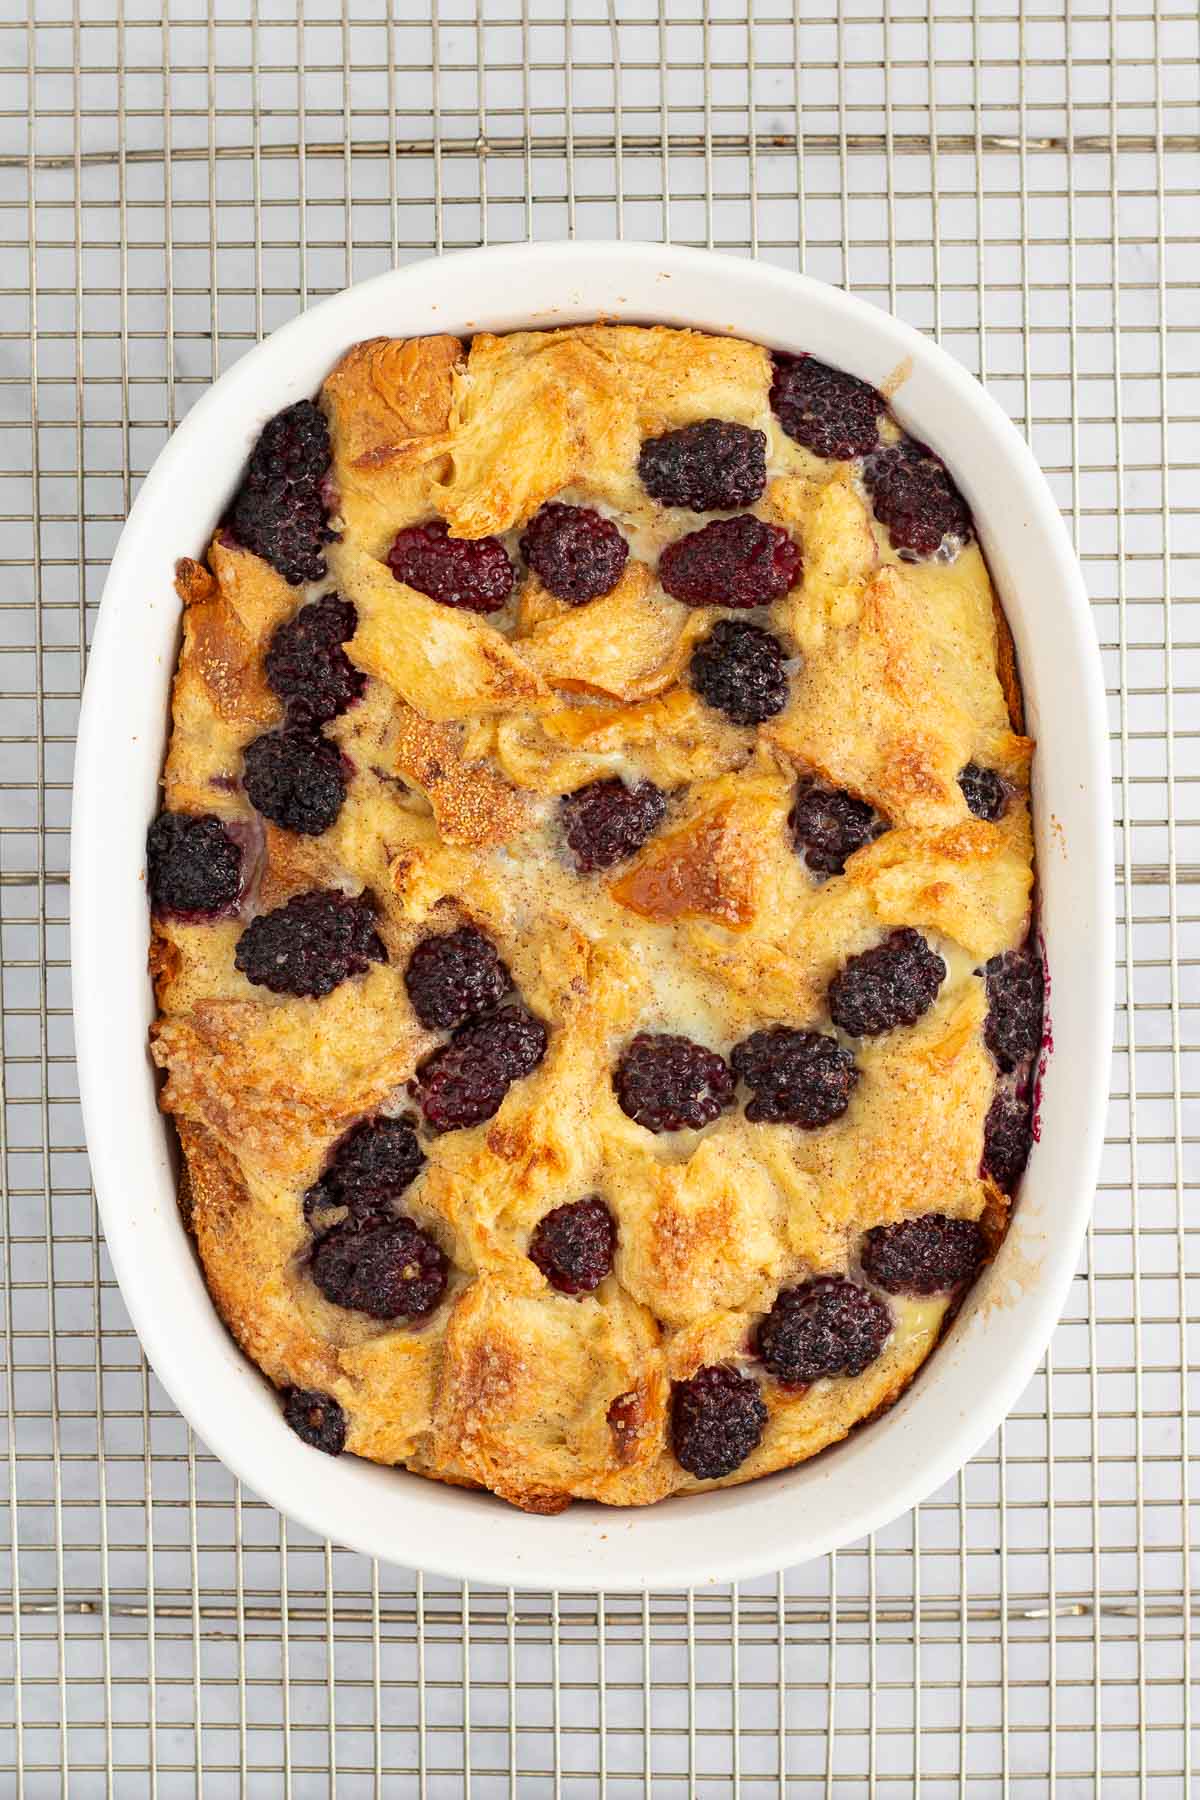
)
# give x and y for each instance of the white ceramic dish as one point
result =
(979, 1372)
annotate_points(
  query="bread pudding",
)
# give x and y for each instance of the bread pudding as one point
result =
(591, 910)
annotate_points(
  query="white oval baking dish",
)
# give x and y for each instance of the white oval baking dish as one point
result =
(993, 1349)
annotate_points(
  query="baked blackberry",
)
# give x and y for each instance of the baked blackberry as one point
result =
(387, 1268)
(826, 1326)
(717, 1419)
(929, 1255)
(574, 552)
(465, 1081)
(984, 791)
(306, 666)
(831, 413)
(454, 976)
(798, 1077)
(474, 573)
(311, 944)
(914, 495)
(296, 779)
(829, 825)
(369, 1168)
(193, 867)
(891, 985)
(316, 1419)
(739, 670)
(712, 466)
(606, 821)
(1007, 1135)
(278, 511)
(1016, 998)
(669, 1083)
(574, 1245)
(738, 562)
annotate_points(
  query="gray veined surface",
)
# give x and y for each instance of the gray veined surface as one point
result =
(1021, 181)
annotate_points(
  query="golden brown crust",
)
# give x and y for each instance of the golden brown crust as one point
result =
(469, 730)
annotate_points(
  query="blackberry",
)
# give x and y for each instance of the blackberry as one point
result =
(474, 573)
(387, 1268)
(574, 1245)
(1015, 992)
(828, 825)
(826, 1326)
(296, 779)
(717, 1419)
(739, 670)
(929, 1255)
(831, 413)
(465, 1081)
(306, 666)
(316, 1419)
(574, 552)
(915, 497)
(731, 562)
(606, 821)
(1007, 1135)
(891, 985)
(193, 866)
(278, 511)
(798, 1077)
(455, 976)
(310, 945)
(667, 1083)
(984, 792)
(369, 1169)
(710, 467)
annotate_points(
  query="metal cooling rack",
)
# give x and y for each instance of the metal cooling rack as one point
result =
(1022, 184)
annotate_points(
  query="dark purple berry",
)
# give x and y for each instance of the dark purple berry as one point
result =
(574, 552)
(470, 572)
(574, 1245)
(307, 667)
(891, 985)
(193, 866)
(717, 1419)
(370, 1167)
(826, 1326)
(1007, 1135)
(831, 413)
(278, 511)
(731, 562)
(316, 1419)
(465, 1081)
(739, 670)
(710, 467)
(606, 821)
(798, 1077)
(454, 977)
(380, 1154)
(929, 1255)
(829, 825)
(915, 497)
(1015, 992)
(310, 945)
(388, 1268)
(296, 779)
(667, 1083)
(984, 792)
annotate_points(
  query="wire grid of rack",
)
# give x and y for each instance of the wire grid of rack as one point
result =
(1020, 183)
